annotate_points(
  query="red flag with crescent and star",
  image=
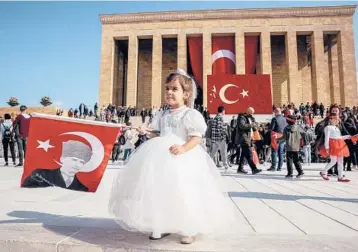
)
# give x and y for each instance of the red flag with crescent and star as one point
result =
(68, 153)
(238, 92)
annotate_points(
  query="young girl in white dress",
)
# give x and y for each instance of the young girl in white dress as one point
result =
(170, 184)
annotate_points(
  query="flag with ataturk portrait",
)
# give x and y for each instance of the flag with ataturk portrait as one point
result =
(67, 152)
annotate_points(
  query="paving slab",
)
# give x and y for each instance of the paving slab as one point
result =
(273, 214)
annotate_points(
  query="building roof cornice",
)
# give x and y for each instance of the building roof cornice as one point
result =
(323, 11)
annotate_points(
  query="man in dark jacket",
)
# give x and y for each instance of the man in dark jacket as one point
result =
(278, 124)
(244, 129)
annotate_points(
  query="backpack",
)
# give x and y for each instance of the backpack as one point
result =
(9, 134)
(122, 140)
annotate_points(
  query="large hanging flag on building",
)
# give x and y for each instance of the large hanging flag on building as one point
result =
(223, 55)
(238, 92)
(68, 153)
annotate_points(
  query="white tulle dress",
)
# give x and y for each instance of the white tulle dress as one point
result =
(163, 193)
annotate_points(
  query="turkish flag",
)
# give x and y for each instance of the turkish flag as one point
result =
(238, 92)
(223, 55)
(68, 153)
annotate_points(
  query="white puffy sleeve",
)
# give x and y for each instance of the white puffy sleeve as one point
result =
(155, 125)
(195, 123)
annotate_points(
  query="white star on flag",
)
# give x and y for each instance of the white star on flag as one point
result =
(45, 145)
(244, 93)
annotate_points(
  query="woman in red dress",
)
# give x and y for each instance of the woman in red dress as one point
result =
(334, 147)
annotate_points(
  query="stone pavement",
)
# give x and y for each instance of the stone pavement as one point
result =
(274, 215)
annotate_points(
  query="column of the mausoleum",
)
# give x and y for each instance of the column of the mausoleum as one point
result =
(240, 51)
(131, 89)
(182, 57)
(106, 75)
(157, 70)
(319, 68)
(333, 66)
(265, 52)
(347, 66)
(294, 83)
(207, 65)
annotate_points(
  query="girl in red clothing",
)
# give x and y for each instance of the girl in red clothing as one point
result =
(335, 147)
(310, 119)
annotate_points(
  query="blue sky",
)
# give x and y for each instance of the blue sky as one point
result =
(53, 48)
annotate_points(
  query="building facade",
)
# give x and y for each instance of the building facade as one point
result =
(309, 52)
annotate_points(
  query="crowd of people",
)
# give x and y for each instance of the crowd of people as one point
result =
(229, 149)
(230, 143)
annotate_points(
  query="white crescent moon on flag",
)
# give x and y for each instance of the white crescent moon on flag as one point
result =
(97, 150)
(223, 54)
(222, 94)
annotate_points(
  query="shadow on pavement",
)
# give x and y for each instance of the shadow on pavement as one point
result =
(103, 232)
(271, 177)
(99, 231)
(286, 197)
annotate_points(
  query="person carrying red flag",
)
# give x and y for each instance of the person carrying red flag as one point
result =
(170, 183)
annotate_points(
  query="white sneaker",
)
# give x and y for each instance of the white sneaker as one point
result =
(187, 240)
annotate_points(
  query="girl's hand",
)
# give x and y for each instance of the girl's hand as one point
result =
(177, 149)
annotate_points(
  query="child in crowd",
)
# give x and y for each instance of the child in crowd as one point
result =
(292, 136)
(170, 184)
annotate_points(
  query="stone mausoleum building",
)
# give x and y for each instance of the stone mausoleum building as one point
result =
(309, 52)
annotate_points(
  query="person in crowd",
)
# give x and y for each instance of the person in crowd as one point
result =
(349, 122)
(127, 114)
(218, 137)
(307, 140)
(206, 114)
(319, 132)
(95, 109)
(278, 124)
(129, 145)
(292, 137)
(334, 147)
(168, 180)
(244, 131)
(8, 139)
(143, 114)
(21, 126)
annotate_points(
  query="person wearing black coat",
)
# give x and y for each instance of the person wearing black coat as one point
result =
(143, 114)
(350, 125)
(244, 128)
(127, 115)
